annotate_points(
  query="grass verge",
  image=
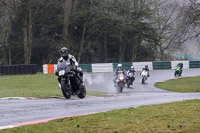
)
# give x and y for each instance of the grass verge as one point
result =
(189, 84)
(37, 85)
(172, 117)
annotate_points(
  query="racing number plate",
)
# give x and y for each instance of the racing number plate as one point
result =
(61, 73)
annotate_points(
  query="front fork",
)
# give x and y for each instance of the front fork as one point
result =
(61, 79)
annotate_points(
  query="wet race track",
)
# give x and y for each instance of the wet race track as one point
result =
(28, 111)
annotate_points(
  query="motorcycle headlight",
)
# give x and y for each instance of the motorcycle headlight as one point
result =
(121, 78)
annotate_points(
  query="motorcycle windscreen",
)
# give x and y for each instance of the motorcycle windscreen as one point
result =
(65, 65)
(130, 75)
(177, 68)
(121, 76)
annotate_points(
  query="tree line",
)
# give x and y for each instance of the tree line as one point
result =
(94, 31)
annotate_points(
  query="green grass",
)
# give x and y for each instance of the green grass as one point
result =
(172, 117)
(190, 84)
(37, 85)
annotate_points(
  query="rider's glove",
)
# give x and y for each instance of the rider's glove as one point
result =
(79, 69)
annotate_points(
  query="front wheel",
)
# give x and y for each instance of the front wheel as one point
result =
(143, 80)
(120, 86)
(82, 92)
(128, 83)
(175, 73)
(65, 90)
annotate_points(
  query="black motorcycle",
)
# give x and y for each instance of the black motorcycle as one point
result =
(70, 82)
(130, 79)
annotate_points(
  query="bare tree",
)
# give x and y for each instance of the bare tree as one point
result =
(170, 26)
(4, 33)
(67, 12)
(27, 32)
(192, 16)
(7, 15)
(194, 7)
(11, 6)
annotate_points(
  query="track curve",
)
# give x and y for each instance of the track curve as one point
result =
(19, 111)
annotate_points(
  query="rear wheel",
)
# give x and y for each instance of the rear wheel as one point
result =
(65, 90)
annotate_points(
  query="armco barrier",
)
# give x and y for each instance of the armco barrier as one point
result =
(45, 69)
(110, 67)
(0, 70)
(12, 70)
(21, 69)
(86, 67)
(161, 65)
(18, 69)
(5, 70)
(125, 65)
(102, 67)
(32, 69)
(194, 64)
(139, 65)
(49, 68)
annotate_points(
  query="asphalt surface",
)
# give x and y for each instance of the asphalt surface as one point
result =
(24, 110)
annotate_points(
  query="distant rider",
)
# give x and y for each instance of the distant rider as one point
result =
(131, 70)
(147, 69)
(119, 70)
(181, 66)
(65, 56)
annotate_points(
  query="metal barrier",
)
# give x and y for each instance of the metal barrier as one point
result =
(162, 65)
(110, 67)
(125, 65)
(140, 65)
(194, 64)
(0, 70)
(18, 69)
(86, 67)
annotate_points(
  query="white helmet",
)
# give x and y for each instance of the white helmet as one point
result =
(119, 65)
(132, 67)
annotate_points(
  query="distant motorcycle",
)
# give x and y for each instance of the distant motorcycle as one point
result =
(177, 71)
(120, 82)
(69, 82)
(144, 76)
(130, 79)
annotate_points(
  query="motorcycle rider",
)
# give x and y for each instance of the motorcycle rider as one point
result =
(131, 70)
(181, 66)
(118, 70)
(65, 56)
(147, 69)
